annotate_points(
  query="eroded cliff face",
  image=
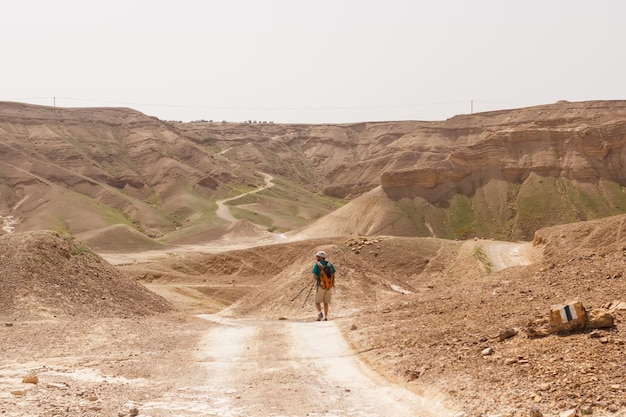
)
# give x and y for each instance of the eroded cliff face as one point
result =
(507, 172)
(580, 141)
(342, 161)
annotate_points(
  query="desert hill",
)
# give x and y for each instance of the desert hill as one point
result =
(84, 169)
(486, 174)
(45, 275)
(119, 238)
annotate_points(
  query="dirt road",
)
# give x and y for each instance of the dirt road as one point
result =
(286, 368)
(504, 255)
(223, 210)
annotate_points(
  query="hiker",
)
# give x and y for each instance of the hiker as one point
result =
(323, 284)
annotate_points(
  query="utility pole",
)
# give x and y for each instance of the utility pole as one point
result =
(471, 106)
(54, 101)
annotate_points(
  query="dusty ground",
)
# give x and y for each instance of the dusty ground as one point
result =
(409, 326)
(152, 360)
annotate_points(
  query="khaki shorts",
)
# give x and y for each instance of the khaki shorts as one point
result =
(323, 296)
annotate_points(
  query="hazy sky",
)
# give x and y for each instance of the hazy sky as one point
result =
(311, 61)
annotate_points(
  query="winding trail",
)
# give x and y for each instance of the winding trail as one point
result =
(223, 210)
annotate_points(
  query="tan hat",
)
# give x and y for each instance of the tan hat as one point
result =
(321, 254)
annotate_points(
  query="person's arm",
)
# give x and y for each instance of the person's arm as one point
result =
(315, 272)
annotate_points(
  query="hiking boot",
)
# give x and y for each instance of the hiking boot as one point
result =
(319, 316)
(325, 319)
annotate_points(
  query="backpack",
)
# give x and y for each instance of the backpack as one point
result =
(327, 277)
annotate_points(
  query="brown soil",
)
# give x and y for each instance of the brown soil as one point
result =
(420, 312)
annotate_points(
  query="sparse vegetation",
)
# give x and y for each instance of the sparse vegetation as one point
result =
(285, 206)
(461, 217)
(79, 249)
(480, 255)
(153, 200)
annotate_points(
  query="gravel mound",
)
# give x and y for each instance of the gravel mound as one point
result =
(48, 274)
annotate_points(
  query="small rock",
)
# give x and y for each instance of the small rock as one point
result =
(486, 352)
(568, 413)
(353, 327)
(544, 387)
(414, 374)
(506, 334)
(30, 379)
(535, 413)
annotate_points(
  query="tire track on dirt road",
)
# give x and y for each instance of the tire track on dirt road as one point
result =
(291, 369)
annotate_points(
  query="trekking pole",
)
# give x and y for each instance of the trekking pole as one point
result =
(305, 287)
(309, 293)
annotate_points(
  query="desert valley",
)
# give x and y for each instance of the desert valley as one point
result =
(160, 268)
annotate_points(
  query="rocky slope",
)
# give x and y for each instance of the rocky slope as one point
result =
(508, 173)
(81, 169)
(45, 274)
(499, 174)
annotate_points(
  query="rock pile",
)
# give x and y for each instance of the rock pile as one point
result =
(357, 244)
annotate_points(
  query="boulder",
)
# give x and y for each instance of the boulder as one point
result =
(599, 318)
(538, 328)
(568, 317)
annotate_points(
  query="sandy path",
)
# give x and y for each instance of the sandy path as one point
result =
(223, 210)
(507, 254)
(284, 368)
